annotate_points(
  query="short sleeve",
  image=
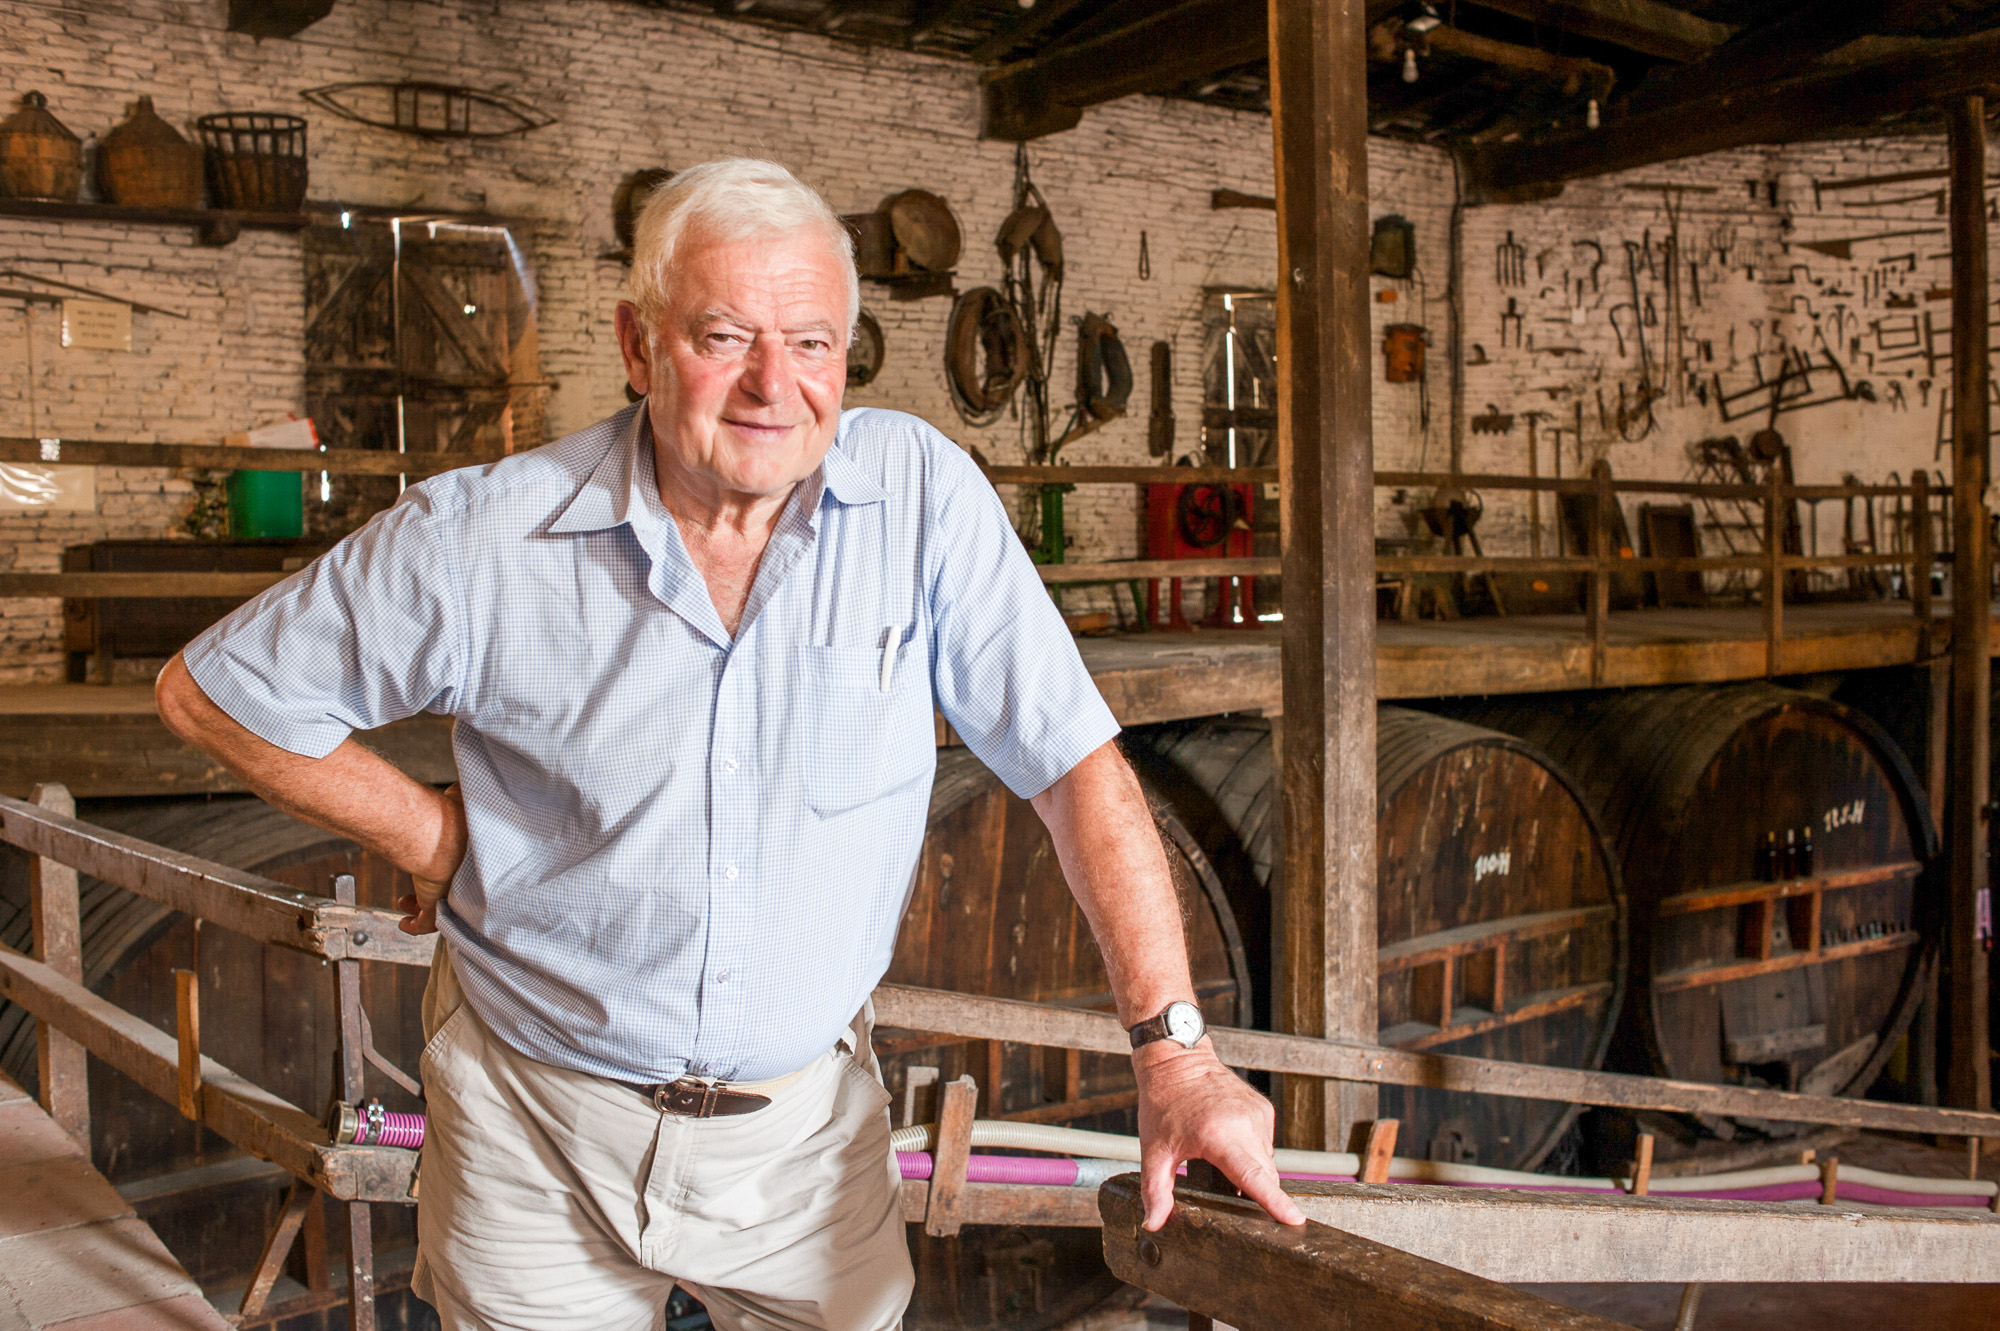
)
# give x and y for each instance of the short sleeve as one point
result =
(1006, 672)
(369, 633)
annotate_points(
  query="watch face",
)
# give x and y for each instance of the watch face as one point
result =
(1184, 1024)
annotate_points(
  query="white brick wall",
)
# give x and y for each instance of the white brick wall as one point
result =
(633, 87)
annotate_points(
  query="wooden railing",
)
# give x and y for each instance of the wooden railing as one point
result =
(72, 1020)
(1599, 566)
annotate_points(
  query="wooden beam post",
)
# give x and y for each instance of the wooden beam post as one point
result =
(60, 1064)
(187, 1033)
(1969, 1083)
(1925, 551)
(353, 1087)
(949, 1159)
(1319, 124)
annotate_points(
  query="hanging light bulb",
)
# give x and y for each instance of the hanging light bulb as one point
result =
(1590, 114)
(1409, 64)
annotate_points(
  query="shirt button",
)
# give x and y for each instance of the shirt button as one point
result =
(722, 977)
(729, 766)
(730, 873)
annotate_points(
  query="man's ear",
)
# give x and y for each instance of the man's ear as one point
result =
(636, 347)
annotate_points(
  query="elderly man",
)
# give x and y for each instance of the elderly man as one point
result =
(693, 653)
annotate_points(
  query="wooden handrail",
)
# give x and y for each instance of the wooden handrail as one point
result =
(1742, 894)
(1226, 1261)
(320, 926)
(222, 457)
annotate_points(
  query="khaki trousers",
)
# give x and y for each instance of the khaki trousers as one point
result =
(559, 1201)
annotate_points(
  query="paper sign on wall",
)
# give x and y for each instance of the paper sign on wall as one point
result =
(97, 325)
(28, 487)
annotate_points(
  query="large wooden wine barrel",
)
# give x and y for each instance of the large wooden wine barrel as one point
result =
(1805, 983)
(990, 913)
(1499, 915)
(266, 1013)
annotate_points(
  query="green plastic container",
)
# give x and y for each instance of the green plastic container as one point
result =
(267, 503)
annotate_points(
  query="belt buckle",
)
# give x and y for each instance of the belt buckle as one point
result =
(672, 1098)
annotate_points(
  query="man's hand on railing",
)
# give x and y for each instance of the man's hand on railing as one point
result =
(1191, 1107)
(433, 880)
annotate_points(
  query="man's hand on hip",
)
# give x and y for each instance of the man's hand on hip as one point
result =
(1191, 1107)
(433, 880)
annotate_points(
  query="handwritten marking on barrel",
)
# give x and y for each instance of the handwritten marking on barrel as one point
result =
(1845, 815)
(1498, 862)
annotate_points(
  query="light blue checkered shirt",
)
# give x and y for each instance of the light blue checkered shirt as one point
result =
(687, 854)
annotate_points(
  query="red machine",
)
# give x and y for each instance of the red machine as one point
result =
(1202, 521)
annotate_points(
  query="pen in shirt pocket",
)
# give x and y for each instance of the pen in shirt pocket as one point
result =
(889, 645)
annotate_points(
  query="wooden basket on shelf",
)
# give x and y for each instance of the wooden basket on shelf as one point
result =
(256, 160)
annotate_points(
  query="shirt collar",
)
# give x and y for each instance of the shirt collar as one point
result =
(610, 496)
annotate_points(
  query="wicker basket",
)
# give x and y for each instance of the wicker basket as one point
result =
(39, 157)
(256, 160)
(146, 163)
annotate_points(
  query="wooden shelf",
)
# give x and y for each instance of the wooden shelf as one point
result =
(225, 457)
(1743, 894)
(1484, 936)
(1467, 1022)
(1698, 976)
(215, 226)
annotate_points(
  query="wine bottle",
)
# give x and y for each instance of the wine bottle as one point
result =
(1806, 853)
(1788, 862)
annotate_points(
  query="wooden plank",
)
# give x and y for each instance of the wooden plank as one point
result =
(1181, 42)
(1223, 1258)
(223, 457)
(1325, 887)
(243, 902)
(1357, 1060)
(1696, 977)
(235, 1108)
(277, 1247)
(1120, 570)
(1810, 105)
(1609, 1237)
(1645, 26)
(1968, 1081)
(1738, 894)
(1426, 948)
(1380, 1146)
(61, 1067)
(1009, 1204)
(125, 750)
(1131, 475)
(151, 586)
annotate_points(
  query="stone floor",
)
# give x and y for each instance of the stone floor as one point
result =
(73, 1256)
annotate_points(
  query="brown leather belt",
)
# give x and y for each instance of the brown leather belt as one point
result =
(692, 1098)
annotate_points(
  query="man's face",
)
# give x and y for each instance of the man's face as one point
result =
(744, 375)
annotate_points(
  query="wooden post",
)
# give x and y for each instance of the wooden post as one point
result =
(948, 1161)
(1319, 123)
(1829, 1180)
(1598, 608)
(1969, 1082)
(353, 1088)
(277, 1247)
(1377, 1151)
(1925, 551)
(1774, 573)
(1642, 1166)
(60, 1064)
(187, 1030)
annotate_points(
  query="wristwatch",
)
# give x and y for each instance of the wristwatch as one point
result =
(1180, 1022)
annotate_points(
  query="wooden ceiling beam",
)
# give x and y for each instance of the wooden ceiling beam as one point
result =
(1851, 97)
(1191, 40)
(1645, 26)
(1777, 49)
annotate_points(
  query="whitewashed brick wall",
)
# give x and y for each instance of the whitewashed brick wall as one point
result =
(632, 87)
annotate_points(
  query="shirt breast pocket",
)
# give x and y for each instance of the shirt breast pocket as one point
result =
(863, 742)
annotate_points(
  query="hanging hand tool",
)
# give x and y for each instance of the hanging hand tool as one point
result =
(1620, 331)
(1844, 249)
(1510, 262)
(137, 307)
(1597, 262)
(1513, 316)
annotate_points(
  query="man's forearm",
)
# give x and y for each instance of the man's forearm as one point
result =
(1110, 850)
(351, 791)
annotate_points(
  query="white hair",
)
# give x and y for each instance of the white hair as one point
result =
(729, 199)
